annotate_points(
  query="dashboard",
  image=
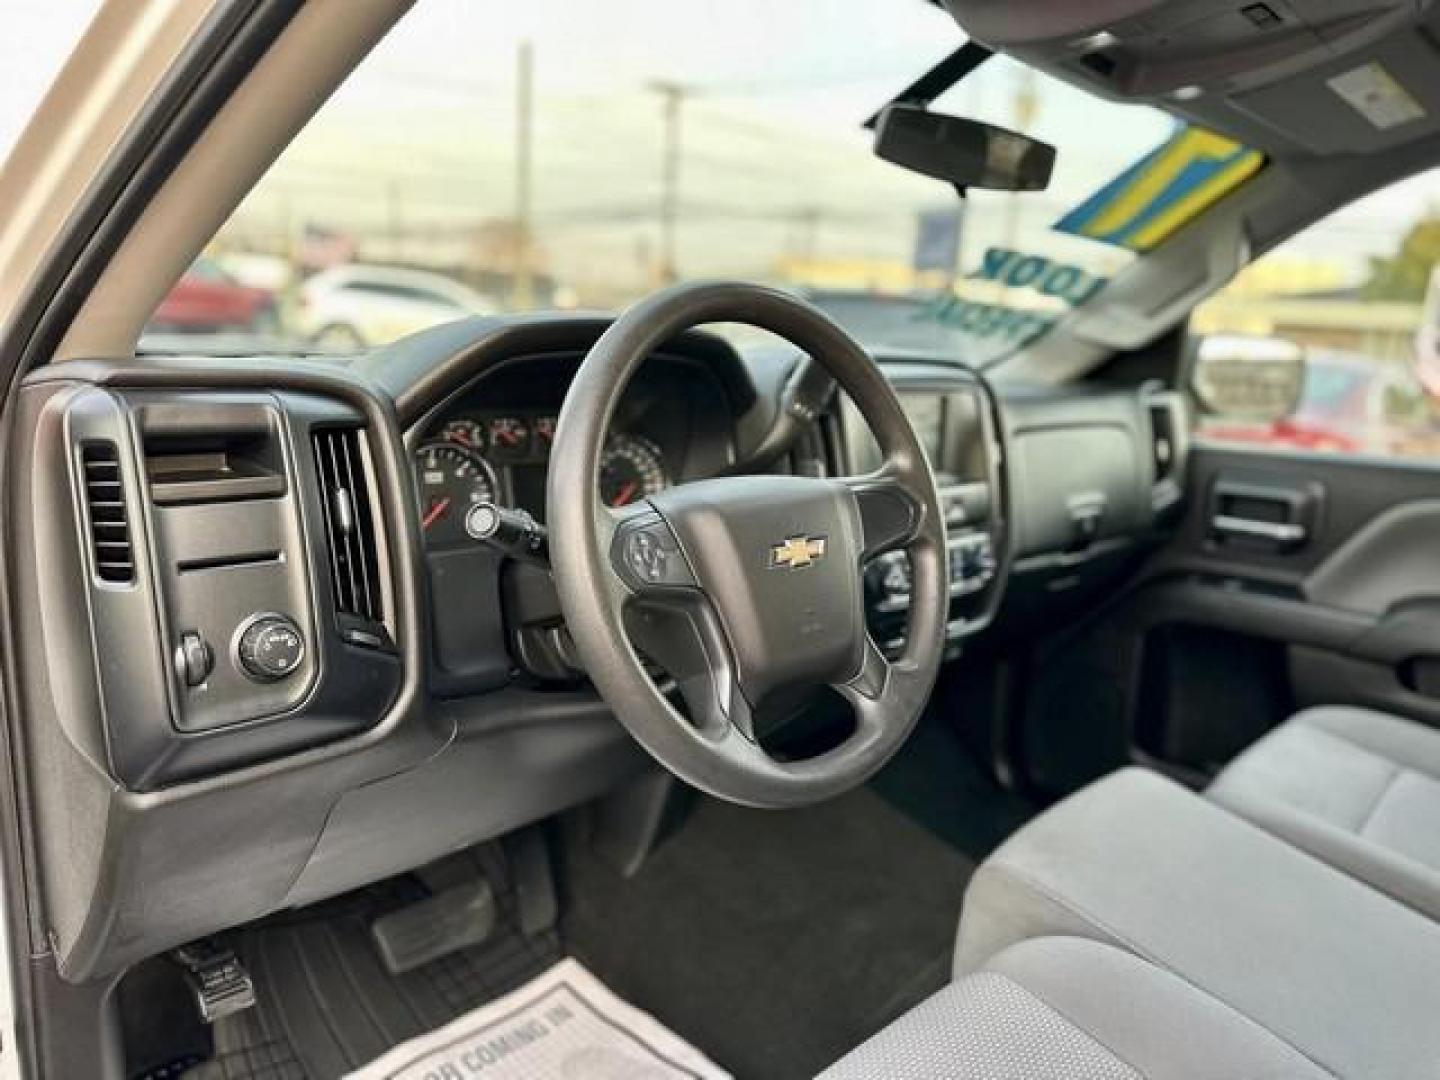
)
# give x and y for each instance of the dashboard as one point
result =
(268, 667)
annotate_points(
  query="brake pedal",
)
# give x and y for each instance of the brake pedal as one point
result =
(218, 979)
(453, 919)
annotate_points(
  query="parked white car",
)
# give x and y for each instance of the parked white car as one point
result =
(351, 307)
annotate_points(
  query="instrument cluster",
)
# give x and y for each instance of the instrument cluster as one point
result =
(504, 457)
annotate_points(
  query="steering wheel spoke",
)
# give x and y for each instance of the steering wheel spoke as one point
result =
(868, 692)
(870, 681)
(890, 513)
(681, 631)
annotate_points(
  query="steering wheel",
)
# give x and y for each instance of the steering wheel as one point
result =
(746, 586)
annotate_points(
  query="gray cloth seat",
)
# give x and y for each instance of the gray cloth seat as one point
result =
(1325, 963)
(1071, 1009)
(1355, 788)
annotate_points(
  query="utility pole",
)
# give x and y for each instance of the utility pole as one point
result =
(673, 96)
(523, 297)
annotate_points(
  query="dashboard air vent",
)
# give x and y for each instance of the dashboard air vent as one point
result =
(1168, 437)
(349, 524)
(1162, 430)
(105, 504)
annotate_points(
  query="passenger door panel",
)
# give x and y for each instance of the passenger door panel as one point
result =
(1334, 559)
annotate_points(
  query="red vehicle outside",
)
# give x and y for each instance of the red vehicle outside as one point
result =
(1349, 404)
(207, 298)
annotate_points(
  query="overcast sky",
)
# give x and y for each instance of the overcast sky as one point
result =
(774, 163)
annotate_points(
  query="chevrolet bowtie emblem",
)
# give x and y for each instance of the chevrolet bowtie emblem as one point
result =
(797, 552)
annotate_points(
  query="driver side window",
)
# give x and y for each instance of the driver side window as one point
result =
(1355, 299)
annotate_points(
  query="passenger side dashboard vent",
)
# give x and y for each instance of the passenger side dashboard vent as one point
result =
(105, 505)
(1169, 440)
(349, 524)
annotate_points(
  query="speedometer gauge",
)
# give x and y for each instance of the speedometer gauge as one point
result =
(451, 479)
(631, 469)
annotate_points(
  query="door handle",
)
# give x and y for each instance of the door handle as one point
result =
(1281, 533)
(1264, 517)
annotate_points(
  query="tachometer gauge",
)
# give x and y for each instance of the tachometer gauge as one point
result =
(451, 479)
(631, 469)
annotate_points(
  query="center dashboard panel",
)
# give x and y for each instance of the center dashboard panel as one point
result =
(955, 417)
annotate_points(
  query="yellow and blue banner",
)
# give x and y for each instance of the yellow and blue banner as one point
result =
(1168, 187)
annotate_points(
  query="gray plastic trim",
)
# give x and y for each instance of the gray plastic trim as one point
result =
(1384, 563)
(125, 874)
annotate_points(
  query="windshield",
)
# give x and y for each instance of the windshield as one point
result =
(497, 158)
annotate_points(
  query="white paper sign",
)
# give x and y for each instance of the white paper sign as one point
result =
(562, 1025)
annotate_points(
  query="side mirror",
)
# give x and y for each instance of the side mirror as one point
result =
(962, 152)
(1254, 379)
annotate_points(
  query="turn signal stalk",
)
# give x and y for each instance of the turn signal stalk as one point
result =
(511, 532)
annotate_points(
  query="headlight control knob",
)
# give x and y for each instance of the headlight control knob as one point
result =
(270, 647)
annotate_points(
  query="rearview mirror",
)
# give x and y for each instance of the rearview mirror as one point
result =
(1254, 379)
(962, 152)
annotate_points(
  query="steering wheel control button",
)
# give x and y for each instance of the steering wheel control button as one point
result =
(270, 648)
(972, 563)
(891, 581)
(194, 659)
(649, 556)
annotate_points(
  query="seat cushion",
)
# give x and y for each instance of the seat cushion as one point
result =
(1336, 969)
(1356, 788)
(1070, 1009)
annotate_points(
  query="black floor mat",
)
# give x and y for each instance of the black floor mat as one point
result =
(775, 941)
(327, 1005)
(936, 781)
